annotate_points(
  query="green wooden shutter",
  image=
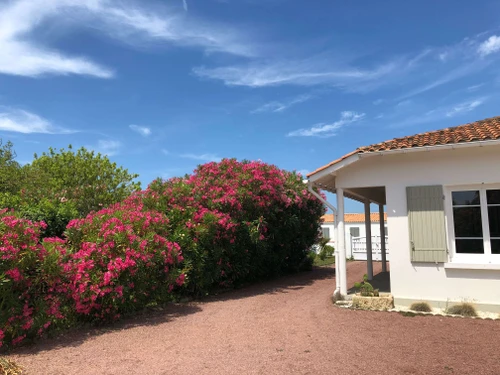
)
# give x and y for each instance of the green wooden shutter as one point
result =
(427, 224)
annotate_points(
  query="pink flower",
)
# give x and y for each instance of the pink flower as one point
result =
(18, 340)
(14, 274)
(180, 280)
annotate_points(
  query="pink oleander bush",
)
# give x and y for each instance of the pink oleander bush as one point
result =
(32, 292)
(120, 259)
(237, 221)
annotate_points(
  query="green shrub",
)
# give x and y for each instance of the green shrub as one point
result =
(326, 251)
(365, 288)
(308, 261)
(421, 307)
(464, 309)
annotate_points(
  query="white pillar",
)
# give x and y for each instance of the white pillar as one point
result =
(342, 277)
(369, 256)
(382, 237)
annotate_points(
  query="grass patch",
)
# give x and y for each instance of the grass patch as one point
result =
(464, 309)
(325, 262)
(8, 367)
(421, 307)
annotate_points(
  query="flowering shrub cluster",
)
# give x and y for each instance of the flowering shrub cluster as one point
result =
(228, 223)
(30, 286)
(120, 260)
(238, 221)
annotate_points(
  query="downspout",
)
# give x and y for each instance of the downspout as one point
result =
(336, 293)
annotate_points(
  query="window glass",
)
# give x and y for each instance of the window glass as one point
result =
(469, 246)
(495, 246)
(493, 201)
(386, 231)
(493, 196)
(467, 222)
(466, 198)
(326, 232)
(494, 220)
(354, 231)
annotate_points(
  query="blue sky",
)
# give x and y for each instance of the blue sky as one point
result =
(161, 86)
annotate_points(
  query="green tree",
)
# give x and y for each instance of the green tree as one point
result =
(10, 170)
(87, 179)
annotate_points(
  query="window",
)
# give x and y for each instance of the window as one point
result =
(386, 231)
(326, 232)
(476, 222)
(493, 203)
(354, 231)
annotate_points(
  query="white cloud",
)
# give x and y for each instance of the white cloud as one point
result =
(20, 121)
(378, 101)
(128, 22)
(165, 152)
(107, 147)
(142, 130)
(465, 107)
(276, 106)
(489, 46)
(201, 157)
(328, 130)
(185, 5)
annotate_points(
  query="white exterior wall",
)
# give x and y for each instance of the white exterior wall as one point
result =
(426, 281)
(362, 233)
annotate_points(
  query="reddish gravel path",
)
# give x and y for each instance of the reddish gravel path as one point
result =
(287, 326)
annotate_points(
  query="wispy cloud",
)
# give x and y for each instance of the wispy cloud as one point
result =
(165, 151)
(142, 130)
(423, 113)
(489, 46)
(201, 157)
(465, 107)
(126, 21)
(282, 106)
(310, 72)
(413, 73)
(107, 147)
(185, 5)
(328, 130)
(21, 121)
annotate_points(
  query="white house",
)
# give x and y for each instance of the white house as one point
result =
(355, 234)
(442, 195)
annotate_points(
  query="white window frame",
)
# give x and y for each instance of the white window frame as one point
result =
(487, 257)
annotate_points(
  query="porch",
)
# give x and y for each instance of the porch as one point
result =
(376, 248)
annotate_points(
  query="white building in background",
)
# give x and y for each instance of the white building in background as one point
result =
(355, 234)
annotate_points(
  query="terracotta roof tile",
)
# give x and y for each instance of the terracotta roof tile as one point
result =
(483, 130)
(353, 218)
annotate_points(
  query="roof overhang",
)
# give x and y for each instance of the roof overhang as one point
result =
(353, 157)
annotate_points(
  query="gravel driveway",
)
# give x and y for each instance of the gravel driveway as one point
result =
(286, 326)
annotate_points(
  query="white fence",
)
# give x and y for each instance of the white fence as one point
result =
(358, 246)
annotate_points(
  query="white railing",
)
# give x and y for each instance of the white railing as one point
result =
(358, 247)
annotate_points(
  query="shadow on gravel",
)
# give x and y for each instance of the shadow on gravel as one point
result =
(75, 337)
(154, 316)
(280, 285)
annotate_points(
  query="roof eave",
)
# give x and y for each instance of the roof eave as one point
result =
(354, 157)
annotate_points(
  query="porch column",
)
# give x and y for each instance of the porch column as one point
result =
(368, 225)
(342, 277)
(382, 237)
